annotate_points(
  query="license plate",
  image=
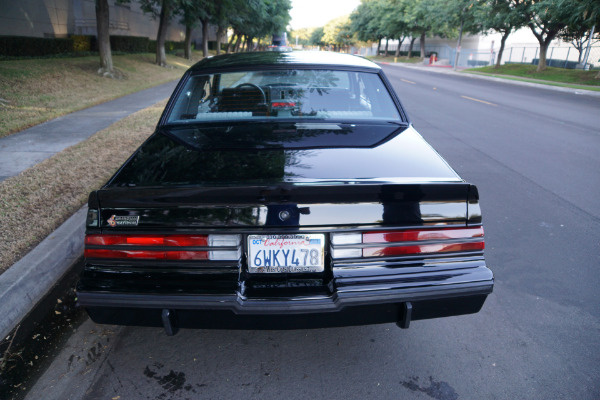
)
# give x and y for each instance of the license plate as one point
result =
(286, 253)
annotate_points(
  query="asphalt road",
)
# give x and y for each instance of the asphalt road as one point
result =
(535, 156)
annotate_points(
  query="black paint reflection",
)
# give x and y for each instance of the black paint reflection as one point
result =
(248, 153)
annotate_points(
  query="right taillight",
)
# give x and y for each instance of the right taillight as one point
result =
(407, 242)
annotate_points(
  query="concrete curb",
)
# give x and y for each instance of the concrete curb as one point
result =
(27, 281)
(502, 80)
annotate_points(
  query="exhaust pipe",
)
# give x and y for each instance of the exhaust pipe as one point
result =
(404, 319)
(169, 322)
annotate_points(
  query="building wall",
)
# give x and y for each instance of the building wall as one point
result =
(39, 18)
(60, 18)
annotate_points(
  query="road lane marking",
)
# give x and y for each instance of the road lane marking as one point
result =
(404, 80)
(480, 101)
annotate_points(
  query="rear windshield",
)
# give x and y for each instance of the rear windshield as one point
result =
(295, 93)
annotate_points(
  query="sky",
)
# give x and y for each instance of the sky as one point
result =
(314, 13)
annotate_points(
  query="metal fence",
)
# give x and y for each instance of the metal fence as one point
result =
(562, 57)
(558, 56)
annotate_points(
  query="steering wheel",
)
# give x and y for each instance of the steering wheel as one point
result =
(252, 85)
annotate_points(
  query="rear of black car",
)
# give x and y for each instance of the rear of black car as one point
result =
(284, 215)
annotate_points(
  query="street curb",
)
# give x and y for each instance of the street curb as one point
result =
(27, 281)
(583, 92)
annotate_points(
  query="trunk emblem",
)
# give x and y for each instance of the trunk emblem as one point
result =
(125, 220)
(284, 215)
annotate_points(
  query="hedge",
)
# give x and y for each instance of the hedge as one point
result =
(414, 53)
(129, 44)
(170, 47)
(21, 46)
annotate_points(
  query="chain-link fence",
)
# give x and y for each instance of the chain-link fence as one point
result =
(561, 57)
(558, 56)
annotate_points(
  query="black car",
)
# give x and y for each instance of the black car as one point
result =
(283, 190)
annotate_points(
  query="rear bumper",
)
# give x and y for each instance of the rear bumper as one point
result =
(358, 307)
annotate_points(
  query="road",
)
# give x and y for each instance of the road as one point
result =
(535, 156)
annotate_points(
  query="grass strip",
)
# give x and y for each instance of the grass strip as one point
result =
(35, 202)
(401, 59)
(36, 90)
(572, 78)
(549, 83)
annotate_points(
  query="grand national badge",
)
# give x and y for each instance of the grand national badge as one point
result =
(123, 220)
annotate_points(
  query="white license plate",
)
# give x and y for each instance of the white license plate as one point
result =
(286, 253)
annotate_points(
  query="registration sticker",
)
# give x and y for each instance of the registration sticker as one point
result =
(295, 253)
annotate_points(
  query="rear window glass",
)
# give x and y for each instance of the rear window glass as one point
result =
(296, 94)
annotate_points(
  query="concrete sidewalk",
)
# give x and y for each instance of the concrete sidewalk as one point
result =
(31, 146)
(28, 281)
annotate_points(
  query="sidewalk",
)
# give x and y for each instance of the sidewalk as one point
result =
(27, 281)
(450, 71)
(31, 146)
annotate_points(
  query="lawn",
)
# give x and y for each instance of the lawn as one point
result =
(35, 90)
(35, 202)
(562, 77)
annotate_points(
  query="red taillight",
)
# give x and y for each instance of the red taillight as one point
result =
(423, 248)
(147, 254)
(413, 235)
(282, 104)
(407, 242)
(163, 247)
(147, 240)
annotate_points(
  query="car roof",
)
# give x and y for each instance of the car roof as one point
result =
(285, 58)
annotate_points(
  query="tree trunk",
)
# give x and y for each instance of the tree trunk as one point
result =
(238, 43)
(422, 43)
(220, 31)
(230, 44)
(248, 44)
(163, 25)
(544, 43)
(542, 61)
(410, 48)
(106, 64)
(378, 46)
(502, 43)
(458, 44)
(188, 42)
(387, 42)
(400, 41)
(204, 37)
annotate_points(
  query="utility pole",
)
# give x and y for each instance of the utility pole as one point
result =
(587, 51)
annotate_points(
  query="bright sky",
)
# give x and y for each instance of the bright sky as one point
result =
(314, 13)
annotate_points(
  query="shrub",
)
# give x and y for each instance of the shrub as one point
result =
(82, 43)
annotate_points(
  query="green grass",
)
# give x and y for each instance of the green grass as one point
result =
(573, 78)
(35, 90)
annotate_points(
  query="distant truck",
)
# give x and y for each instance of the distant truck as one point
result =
(279, 39)
(279, 43)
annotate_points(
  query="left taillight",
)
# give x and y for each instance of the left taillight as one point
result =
(163, 247)
(407, 242)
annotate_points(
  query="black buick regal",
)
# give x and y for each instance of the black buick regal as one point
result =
(283, 190)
